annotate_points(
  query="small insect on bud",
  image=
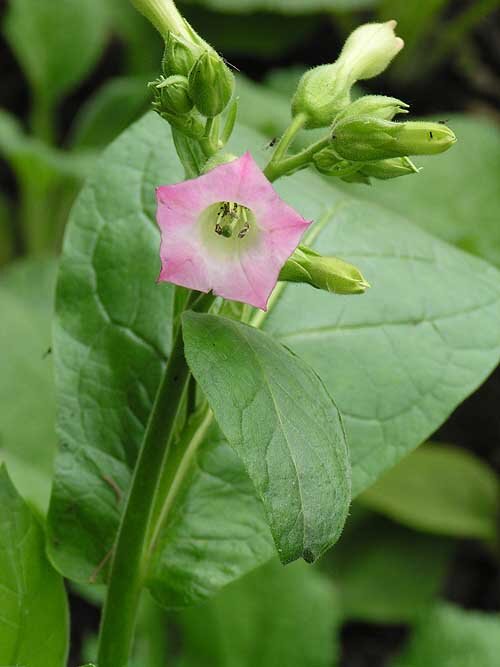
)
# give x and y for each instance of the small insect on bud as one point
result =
(364, 139)
(326, 273)
(174, 95)
(377, 106)
(211, 84)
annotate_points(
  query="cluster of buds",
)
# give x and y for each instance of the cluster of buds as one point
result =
(365, 141)
(195, 82)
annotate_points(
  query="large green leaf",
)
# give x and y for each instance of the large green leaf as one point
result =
(397, 360)
(452, 637)
(56, 41)
(27, 426)
(277, 415)
(34, 624)
(112, 337)
(273, 616)
(386, 573)
(440, 489)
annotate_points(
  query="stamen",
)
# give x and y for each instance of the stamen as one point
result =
(231, 218)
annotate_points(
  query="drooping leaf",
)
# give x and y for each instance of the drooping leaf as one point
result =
(453, 637)
(34, 624)
(440, 489)
(57, 42)
(278, 417)
(273, 616)
(386, 573)
(27, 425)
(429, 302)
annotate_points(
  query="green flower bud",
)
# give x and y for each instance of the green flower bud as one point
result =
(385, 169)
(369, 50)
(378, 106)
(364, 139)
(180, 55)
(327, 162)
(211, 84)
(174, 95)
(324, 91)
(189, 124)
(327, 273)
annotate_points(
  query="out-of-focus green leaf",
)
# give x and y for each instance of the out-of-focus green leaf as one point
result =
(440, 489)
(456, 195)
(34, 627)
(27, 422)
(6, 230)
(56, 41)
(284, 426)
(257, 35)
(452, 637)
(273, 616)
(386, 573)
(117, 104)
(283, 6)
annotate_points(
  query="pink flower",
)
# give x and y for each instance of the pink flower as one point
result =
(227, 232)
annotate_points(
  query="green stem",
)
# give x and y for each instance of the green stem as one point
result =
(274, 171)
(42, 119)
(128, 569)
(291, 132)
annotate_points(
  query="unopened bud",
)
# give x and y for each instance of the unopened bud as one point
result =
(327, 273)
(369, 50)
(327, 162)
(211, 84)
(174, 95)
(366, 138)
(386, 169)
(180, 55)
(377, 106)
(324, 91)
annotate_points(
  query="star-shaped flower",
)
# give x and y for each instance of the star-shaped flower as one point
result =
(227, 232)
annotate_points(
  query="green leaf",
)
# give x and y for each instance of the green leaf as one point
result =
(27, 428)
(57, 42)
(456, 196)
(111, 110)
(273, 616)
(34, 625)
(284, 6)
(386, 573)
(440, 489)
(452, 637)
(112, 337)
(429, 302)
(278, 417)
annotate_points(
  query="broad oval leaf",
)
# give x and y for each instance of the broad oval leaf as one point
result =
(34, 624)
(111, 339)
(277, 415)
(440, 489)
(429, 302)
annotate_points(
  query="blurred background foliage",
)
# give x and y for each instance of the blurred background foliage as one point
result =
(414, 581)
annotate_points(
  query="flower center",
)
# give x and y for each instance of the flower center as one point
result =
(232, 220)
(228, 228)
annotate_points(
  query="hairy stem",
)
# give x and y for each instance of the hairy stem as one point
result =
(128, 569)
(275, 170)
